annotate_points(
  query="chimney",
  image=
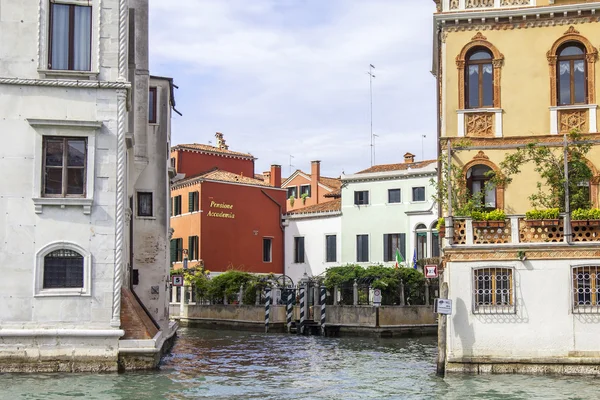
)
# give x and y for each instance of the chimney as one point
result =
(409, 158)
(275, 176)
(267, 175)
(315, 177)
(221, 141)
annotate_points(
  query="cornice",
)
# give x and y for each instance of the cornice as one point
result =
(514, 141)
(66, 83)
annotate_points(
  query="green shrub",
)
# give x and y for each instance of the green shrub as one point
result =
(551, 213)
(441, 223)
(582, 214)
(495, 215)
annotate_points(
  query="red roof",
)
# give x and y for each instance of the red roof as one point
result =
(397, 167)
(328, 206)
(210, 149)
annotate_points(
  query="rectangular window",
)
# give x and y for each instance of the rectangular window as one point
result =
(70, 37)
(394, 196)
(362, 248)
(393, 243)
(193, 245)
(292, 192)
(305, 189)
(176, 250)
(152, 105)
(361, 197)
(193, 201)
(418, 193)
(330, 248)
(267, 249)
(177, 205)
(493, 291)
(144, 204)
(435, 244)
(64, 167)
(586, 289)
(299, 250)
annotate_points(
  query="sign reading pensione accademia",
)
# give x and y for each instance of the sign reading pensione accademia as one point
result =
(431, 271)
(177, 280)
(443, 306)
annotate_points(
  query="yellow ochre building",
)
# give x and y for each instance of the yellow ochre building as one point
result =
(525, 289)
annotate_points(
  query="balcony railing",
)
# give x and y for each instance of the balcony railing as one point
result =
(473, 5)
(516, 229)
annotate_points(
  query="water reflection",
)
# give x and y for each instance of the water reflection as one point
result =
(227, 364)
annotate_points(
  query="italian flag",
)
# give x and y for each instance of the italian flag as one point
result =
(399, 259)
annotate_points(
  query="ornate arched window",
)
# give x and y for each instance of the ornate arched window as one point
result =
(421, 241)
(571, 74)
(480, 186)
(479, 78)
(63, 269)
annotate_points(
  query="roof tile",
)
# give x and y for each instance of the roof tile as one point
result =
(328, 206)
(397, 167)
(209, 149)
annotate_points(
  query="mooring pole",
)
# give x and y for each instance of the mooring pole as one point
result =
(302, 304)
(441, 356)
(289, 310)
(267, 308)
(323, 299)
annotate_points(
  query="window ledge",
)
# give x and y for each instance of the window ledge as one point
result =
(67, 74)
(39, 202)
(574, 107)
(79, 292)
(140, 217)
(63, 123)
(479, 110)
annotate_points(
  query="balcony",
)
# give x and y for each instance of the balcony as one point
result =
(516, 230)
(476, 5)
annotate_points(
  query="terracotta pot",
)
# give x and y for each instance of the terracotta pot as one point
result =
(442, 231)
(585, 222)
(489, 224)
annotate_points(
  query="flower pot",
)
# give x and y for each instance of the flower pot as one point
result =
(489, 224)
(585, 222)
(442, 231)
(542, 222)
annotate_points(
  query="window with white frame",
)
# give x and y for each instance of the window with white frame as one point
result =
(361, 197)
(362, 248)
(70, 37)
(299, 250)
(330, 248)
(305, 190)
(62, 269)
(64, 166)
(292, 192)
(418, 193)
(493, 290)
(394, 196)
(421, 241)
(586, 289)
(144, 204)
(267, 250)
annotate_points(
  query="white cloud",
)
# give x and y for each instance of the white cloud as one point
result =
(289, 77)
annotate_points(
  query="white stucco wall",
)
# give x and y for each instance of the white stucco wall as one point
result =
(543, 325)
(313, 228)
(379, 217)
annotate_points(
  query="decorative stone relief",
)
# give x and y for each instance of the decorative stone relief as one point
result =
(479, 124)
(479, 3)
(505, 3)
(453, 4)
(573, 119)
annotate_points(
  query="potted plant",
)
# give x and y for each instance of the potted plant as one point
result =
(304, 196)
(548, 217)
(585, 217)
(441, 226)
(292, 201)
(489, 219)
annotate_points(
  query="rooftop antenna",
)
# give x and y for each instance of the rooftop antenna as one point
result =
(374, 136)
(371, 76)
(291, 156)
(422, 148)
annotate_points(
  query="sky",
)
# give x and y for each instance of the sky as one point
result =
(283, 78)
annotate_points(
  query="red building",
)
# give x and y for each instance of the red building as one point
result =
(221, 215)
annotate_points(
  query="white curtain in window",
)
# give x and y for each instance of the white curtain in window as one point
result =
(487, 68)
(60, 37)
(578, 66)
(473, 69)
(490, 196)
(564, 68)
(82, 39)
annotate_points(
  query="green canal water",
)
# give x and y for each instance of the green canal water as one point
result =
(241, 365)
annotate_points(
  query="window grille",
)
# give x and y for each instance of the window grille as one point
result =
(493, 291)
(63, 269)
(586, 284)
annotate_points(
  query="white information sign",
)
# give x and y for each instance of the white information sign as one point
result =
(431, 271)
(377, 297)
(443, 306)
(177, 280)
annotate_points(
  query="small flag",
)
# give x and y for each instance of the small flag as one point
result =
(415, 259)
(399, 259)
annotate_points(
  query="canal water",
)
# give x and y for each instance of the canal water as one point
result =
(241, 365)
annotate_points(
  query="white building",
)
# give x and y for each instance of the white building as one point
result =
(389, 207)
(78, 161)
(312, 239)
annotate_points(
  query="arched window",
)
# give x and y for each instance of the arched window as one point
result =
(478, 183)
(479, 78)
(579, 191)
(435, 240)
(571, 74)
(63, 269)
(421, 241)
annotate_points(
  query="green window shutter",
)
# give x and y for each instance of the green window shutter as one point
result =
(190, 202)
(173, 250)
(191, 247)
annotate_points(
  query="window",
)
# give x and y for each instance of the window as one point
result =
(292, 192)
(193, 201)
(586, 288)
(362, 248)
(435, 244)
(144, 204)
(305, 189)
(176, 250)
(418, 193)
(394, 243)
(64, 167)
(267, 249)
(571, 74)
(361, 197)
(63, 269)
(493, 291)
(177, 205)
(480, 186)
(299, 250)
(70, 37)
(479, 79)
(421, 241)
(330, 248)
(193, 247)
(152, 100)
(394, 196)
